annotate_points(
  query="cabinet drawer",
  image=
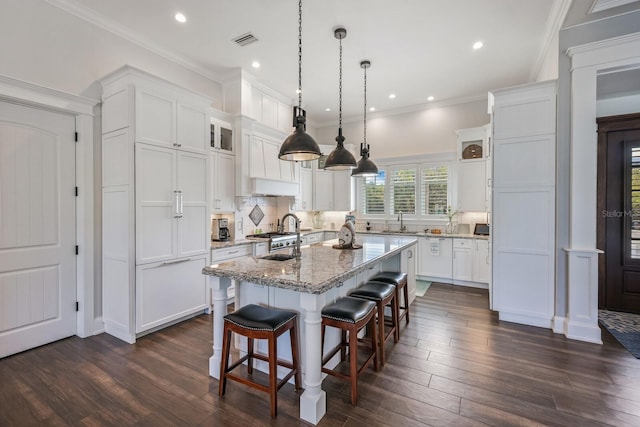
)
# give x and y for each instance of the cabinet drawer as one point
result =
(462, 243)
(313, 238)
(223, 254)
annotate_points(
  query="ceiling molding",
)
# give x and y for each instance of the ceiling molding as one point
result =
(600, 5)
(557, 15)
(406, 110)
(76, 9)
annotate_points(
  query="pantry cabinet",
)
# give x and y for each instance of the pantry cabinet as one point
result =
(155, 202)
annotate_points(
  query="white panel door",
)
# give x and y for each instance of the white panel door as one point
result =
(155, 118)
(194, 226)
(37, 228)
(156, 203)
(193, 129)
(225, 182)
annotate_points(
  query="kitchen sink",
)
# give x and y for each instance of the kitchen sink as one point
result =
(278, 257)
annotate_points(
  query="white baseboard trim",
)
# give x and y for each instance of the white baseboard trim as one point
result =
(559, 324)
(98, 326)
(583, 332)
(524, 319)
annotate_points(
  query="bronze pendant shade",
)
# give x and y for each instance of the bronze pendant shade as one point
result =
(365, 166)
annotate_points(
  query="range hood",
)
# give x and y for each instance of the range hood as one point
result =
(269, 187)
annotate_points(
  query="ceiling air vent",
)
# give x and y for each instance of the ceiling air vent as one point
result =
(245, 39)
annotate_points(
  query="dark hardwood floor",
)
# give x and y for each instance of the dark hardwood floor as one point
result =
(456, 364)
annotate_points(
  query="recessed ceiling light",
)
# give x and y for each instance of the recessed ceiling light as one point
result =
(372, 109)
(327, 109)
(255, 64)
(180, 18)
(392, 96)
(431, 98)
(477, 45)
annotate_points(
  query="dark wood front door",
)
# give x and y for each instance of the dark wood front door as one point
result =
(619, 212)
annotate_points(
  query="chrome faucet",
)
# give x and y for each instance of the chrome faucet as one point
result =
(401, 219)
(296, 249)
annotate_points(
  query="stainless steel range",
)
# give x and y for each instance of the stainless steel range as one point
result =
(277, 241)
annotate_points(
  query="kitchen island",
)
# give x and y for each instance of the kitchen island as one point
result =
(306, 285)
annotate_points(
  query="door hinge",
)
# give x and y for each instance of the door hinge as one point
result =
(76, 137)
(76, 191)
(77, 250)
(77, 306)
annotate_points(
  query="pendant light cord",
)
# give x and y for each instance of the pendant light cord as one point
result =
(340, 88)
(365, 109)
(300, 54)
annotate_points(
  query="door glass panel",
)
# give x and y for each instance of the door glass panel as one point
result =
(633, 206)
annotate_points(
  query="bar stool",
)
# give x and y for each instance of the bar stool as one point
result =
(382, 294)
(400, 281)
(350, 315)
(257, 322)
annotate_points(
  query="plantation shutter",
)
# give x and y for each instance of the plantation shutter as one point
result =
(373, 194)
(434, 189)
(403, 191)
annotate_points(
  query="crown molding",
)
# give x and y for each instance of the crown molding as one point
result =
(75, 8)
(600, 5)
(557, 15)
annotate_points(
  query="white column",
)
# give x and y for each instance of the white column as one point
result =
(313, 402)
(219, 285)
(582, 322)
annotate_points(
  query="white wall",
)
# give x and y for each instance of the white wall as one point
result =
(616, 106)
(428, 131)
(45, 45)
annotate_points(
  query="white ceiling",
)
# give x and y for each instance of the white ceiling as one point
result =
(417, 48)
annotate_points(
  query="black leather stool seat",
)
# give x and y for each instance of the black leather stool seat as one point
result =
(394, 277)
(349, 309)
(374, 291)
(258, 318)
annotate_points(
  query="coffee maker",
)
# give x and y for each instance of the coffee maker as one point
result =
(220, 229)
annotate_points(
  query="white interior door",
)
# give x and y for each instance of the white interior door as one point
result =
(37, 227)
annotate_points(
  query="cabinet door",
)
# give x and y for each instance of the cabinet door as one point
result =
(155, 118)
(169, 291)
(436, 256)
(323, 191)
(472, 186)
(481, 261)
(342, 186)
(225, 182)
(272, 164)
(156, 203)
(256, 158)
(306, 189)
(194, 220)
(193, 129)
(462, 261)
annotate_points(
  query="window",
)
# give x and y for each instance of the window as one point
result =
(373, 194)
(418, 190)
(402, 191)
(435, 189)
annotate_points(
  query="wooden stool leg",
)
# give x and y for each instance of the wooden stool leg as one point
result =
(273, 374)
(250, 355)
(406, 302)
(395, 316)
(374, 343)
(353, 363)
(224, 365)
(295, 355)
(380, 308)
(343, 345)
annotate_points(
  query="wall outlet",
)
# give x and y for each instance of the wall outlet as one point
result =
(240, 224)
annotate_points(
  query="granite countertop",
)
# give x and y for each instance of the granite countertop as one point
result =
(423, 234)
(231, 243)
(320, 268)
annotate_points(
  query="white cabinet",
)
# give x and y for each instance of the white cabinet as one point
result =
(260, 249)
(314, 238)
(264, 162)
(171, 203)
(462, 259)
(223, 167)
(333, 191)
(473, 151)
(304, 200)
(329, 235)
(481, 261)
(436, 256)
(156, 194)
(162, 119)
(229, 254)
(165, 291)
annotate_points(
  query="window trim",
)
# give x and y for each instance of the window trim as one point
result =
(419, 163)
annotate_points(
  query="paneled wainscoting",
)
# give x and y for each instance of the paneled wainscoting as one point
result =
(456, 364)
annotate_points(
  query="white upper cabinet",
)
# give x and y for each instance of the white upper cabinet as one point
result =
(473, 183)
(223, 167)
(193, 128)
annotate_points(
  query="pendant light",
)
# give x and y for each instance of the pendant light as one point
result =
(340, 158)
(299, 146)
(365, 167)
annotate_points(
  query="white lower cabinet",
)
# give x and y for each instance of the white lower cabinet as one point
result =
(168, 291)
(229, 254)
(436, 255)
(462, 259)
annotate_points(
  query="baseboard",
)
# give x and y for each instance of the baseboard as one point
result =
(98, 326)
(583, 332)
(524, 319)
(559, 324)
